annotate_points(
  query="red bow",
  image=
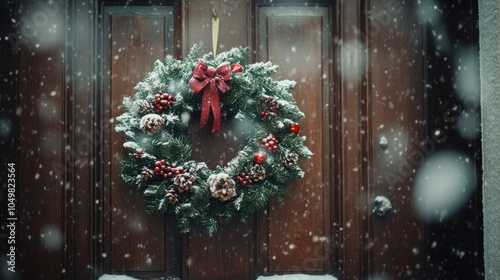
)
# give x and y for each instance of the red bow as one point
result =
(213, 81)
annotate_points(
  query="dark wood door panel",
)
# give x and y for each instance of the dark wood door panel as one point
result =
(42, 162)
(396, 91)
(234, 30)
(228, 253)
(298, 229)
(135, 243)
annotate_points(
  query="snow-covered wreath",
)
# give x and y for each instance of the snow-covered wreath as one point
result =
(155, 124)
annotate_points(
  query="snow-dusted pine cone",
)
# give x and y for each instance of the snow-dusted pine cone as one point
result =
(258, 172)
(222, 186)
(184, 181)
(151, 123)
(145, 107)
(172, 197)
(146, 174)
(291, 159)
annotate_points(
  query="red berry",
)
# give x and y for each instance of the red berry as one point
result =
(236, 68)
(294, 128)
(163, 162)
(157, 169)
(259, 158)
(157, 163)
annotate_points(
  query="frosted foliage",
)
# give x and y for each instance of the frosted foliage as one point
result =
(443, 185)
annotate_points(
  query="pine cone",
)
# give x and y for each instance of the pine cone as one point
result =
(258, 172)
(151, 123)
(222, 186)
(146, 174)
(172, 197)
(184, 182)
(145, 107)
(291, 159)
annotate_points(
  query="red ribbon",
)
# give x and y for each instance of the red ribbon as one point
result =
(212, 81)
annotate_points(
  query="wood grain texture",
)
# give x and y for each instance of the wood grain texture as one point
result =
(137, 244)
(298, 229)
(226, 254)
(42, 165)
(397, 112)
(229, 253)
(351, 199)
(234, 30)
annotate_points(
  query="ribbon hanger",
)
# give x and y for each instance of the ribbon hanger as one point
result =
(215, 31)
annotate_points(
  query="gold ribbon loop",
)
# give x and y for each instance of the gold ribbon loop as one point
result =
(215, 32)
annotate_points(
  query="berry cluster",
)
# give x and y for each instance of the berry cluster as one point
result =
(138, 153)
(245, 179)
(163, 101)
(166, 170)
(270, 143)
(270, 107)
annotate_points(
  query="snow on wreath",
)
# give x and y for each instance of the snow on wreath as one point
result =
(155, 124)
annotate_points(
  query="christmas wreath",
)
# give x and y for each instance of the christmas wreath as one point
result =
(155, 124)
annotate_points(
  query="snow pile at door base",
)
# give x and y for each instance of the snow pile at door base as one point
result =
(297, 277)
(274, 277)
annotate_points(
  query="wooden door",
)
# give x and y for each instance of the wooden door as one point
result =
(142, 245)
(358, 67)
(325, 224)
